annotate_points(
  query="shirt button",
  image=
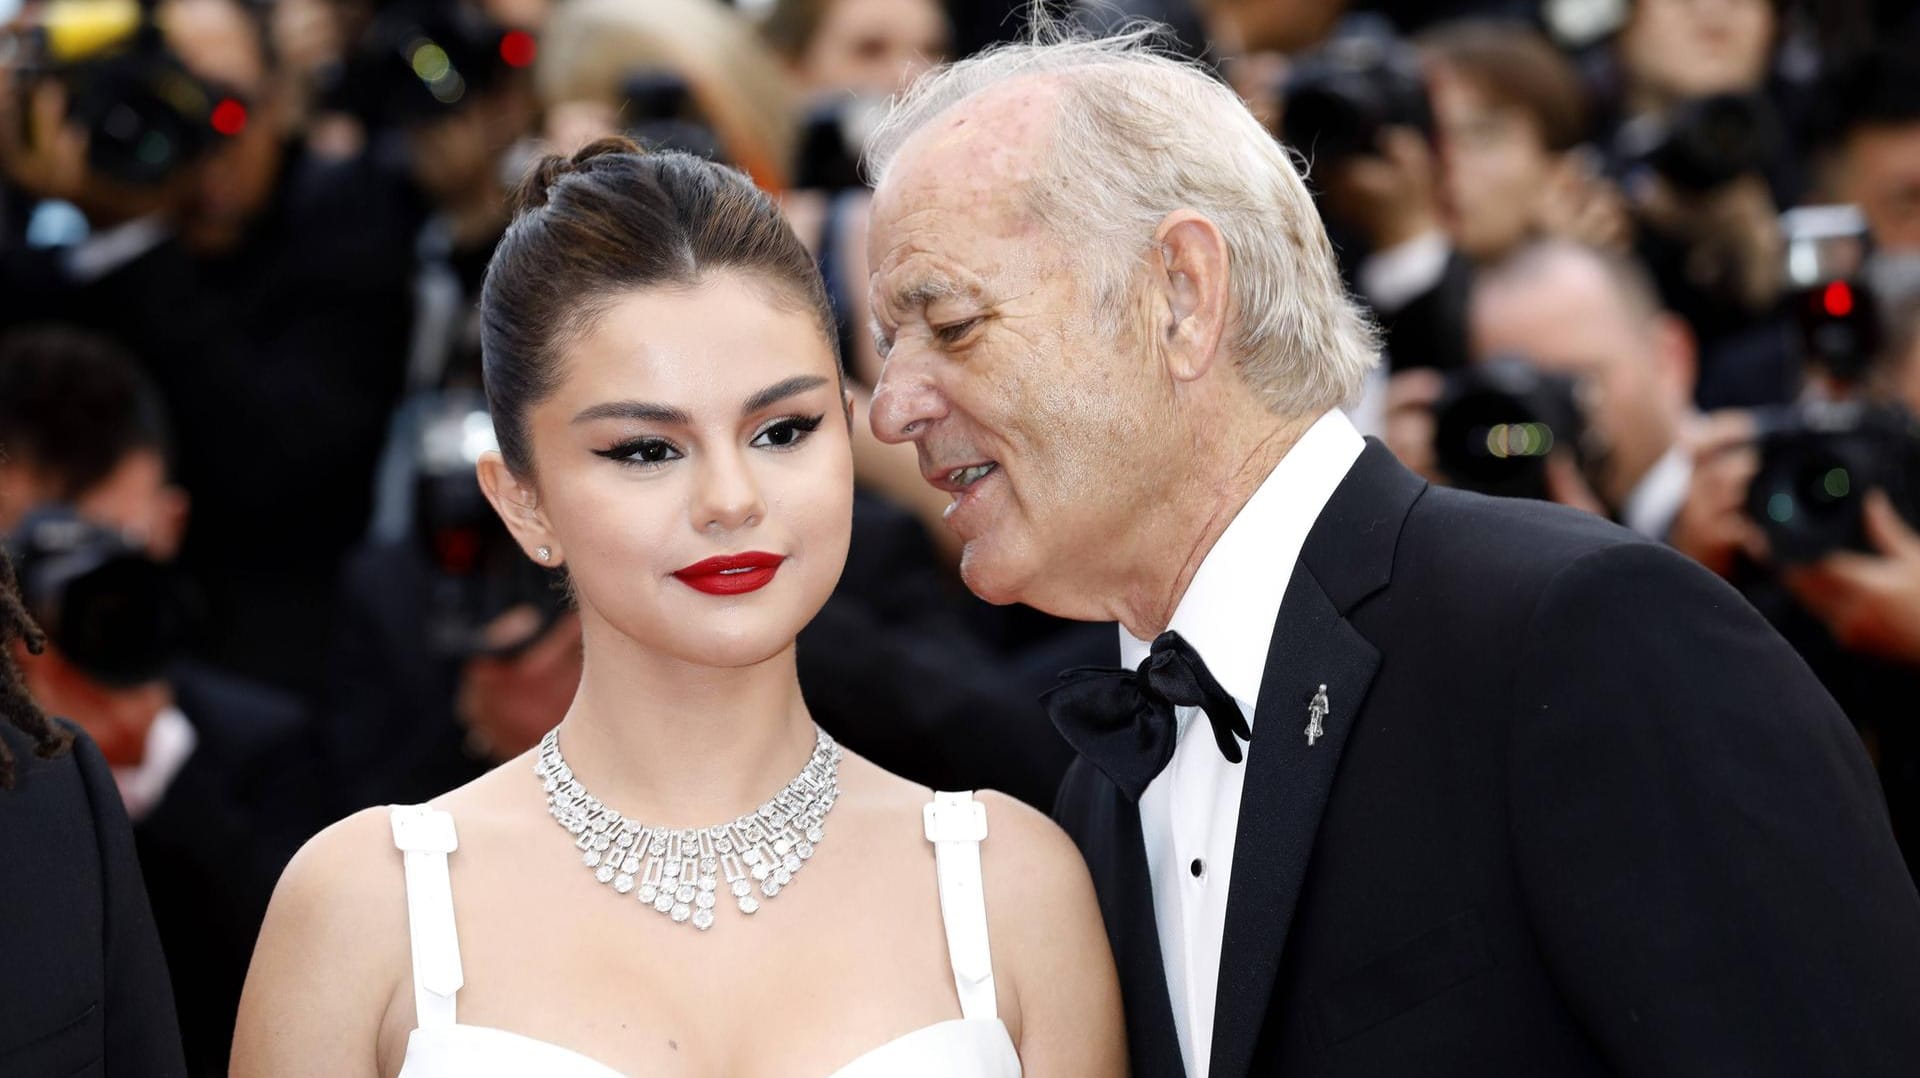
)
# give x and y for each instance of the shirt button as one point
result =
(1198, 868)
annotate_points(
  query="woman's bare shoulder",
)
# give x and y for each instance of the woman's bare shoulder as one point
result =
(329, 957)
(1027, 852)
(1049, 943)
(351, 872)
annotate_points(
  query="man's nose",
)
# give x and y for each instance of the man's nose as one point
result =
(905, 401)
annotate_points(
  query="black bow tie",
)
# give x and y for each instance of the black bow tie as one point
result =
(1122, 720)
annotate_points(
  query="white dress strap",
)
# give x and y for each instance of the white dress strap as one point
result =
(425, 836)
(956, 824)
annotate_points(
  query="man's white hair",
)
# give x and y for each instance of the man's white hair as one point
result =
(1140, 134)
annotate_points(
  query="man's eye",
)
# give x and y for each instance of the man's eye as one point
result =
(955, 332)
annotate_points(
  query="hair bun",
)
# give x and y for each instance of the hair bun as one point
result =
(552, 168)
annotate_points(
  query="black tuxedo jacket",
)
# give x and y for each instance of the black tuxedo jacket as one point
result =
(213, 846)
(1577, 810)
(83, 989)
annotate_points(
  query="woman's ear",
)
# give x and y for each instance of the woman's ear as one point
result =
(519, 507)
(846, 401)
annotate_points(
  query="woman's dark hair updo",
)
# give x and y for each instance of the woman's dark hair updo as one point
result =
(610, 220)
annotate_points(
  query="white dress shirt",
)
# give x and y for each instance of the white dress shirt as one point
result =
(1190, 812)
(170, 741)
(1397, 276)
(1655, 502)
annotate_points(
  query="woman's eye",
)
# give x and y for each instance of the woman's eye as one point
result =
(956, 332)
(644, 452)
(786, 433)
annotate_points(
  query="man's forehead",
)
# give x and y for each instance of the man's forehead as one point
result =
(977, 154)
(956, 195)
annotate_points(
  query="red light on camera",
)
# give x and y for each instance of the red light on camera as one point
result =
(517, 48)
(1837, 300)
(229, 117)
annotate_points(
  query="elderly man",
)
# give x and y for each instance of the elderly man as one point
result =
(1404, 780)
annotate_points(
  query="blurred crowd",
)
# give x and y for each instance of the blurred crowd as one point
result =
(1658, 259)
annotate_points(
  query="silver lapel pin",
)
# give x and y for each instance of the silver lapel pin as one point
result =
(1316, 712)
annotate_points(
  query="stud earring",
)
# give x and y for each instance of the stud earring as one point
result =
(544, 553)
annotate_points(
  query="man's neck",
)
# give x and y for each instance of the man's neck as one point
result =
(1216, 494)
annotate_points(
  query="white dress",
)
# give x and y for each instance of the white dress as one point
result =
(975, 1045)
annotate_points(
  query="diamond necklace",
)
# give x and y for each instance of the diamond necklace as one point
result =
(678, 871)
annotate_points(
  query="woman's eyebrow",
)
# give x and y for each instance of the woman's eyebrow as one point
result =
(643, 411)
(649, 412)
(780, 391)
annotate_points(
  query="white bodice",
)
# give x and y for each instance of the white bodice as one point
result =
(976, 1045)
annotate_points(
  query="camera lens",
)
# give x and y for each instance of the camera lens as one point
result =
(1817, 461)
(1496, 424)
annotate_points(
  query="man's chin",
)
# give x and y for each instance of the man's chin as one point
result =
(989, 575)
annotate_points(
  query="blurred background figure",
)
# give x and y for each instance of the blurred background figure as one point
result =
(214, 770)
(665, 72)
(1869, 154)
(1591, 324)
(863, 48)
(1512, 119)
(86, 990)
(264, 290)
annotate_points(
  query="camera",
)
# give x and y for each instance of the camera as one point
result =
(477, 573)
(1704, 143)
(1340, 96)
(146, 116)
(1835, 307)
(116, 614)
(1817, 461)
(420, 59)
(1496, 422)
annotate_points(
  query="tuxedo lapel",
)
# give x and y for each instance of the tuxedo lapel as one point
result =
(1135, 936)
(1348, 556)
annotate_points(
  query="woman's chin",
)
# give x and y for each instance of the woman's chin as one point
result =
(733, 647)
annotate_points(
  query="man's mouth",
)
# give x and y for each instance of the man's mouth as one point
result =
(961, 478)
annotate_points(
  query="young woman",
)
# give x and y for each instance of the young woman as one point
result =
(686, 877)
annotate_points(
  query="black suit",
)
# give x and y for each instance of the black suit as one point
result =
(1577, 810)
(213, 846)
(83, 989)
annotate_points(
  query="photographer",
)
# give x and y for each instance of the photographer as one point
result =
(1439, 159)
(1870, 600)
(214, 770)
(273, 288)
(1595, 317)
(1357, 108)
(1511, 116)
(1700, 147)
(1870, 155)
(459, 138)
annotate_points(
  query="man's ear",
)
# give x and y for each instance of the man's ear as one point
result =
(519, 507)
(1191, 273)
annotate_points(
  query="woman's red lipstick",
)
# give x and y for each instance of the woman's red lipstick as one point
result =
(732, 574)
